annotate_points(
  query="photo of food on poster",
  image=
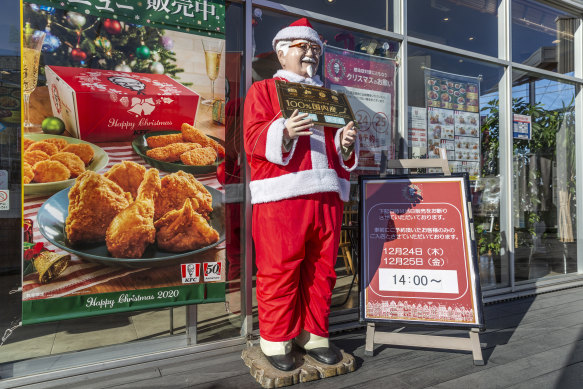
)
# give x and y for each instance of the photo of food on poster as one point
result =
(417, 131)
(123, 135)
(452, 112)
(369, 84)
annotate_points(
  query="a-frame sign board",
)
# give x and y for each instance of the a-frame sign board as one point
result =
(418, 257)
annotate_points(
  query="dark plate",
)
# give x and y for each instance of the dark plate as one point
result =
(140, 146)
(9, 102)
(51, 222)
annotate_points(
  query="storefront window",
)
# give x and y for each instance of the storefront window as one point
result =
(373, 13)
(544, 202)
(468, 25)
(542, 36)
(453, 104)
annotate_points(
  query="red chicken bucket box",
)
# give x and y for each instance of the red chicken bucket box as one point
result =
(107, 105)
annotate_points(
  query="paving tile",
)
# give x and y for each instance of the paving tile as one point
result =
(29, 342)
(99, 331)
(155, 324)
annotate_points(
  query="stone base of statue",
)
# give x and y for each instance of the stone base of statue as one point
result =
(307, 368)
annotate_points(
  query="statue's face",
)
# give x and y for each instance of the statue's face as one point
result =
(302, 58)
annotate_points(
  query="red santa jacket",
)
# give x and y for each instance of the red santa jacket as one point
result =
(313, 165)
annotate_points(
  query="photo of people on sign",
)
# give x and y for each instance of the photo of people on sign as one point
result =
(123, 137)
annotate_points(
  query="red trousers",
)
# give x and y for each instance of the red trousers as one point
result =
(296, 243)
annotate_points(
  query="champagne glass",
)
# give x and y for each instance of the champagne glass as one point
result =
(32, 42)
(212, 56)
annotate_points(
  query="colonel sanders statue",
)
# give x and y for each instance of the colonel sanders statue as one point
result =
(299, 180)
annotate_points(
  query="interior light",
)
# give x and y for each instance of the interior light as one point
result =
(471, 38)
(445, 19)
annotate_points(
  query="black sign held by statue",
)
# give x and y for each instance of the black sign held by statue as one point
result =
(324, 106)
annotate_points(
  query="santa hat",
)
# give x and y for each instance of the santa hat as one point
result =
(300, 29)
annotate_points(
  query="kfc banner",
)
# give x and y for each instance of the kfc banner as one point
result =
(369, 83)
(123, 133)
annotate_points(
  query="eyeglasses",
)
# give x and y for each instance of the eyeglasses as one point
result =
(305, 46)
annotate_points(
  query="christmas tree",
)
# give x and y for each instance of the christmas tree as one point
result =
(77, 40)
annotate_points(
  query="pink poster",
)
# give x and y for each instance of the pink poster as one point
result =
(369, 83)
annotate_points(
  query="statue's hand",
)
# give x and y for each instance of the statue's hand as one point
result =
(297, 125)
(348, 136)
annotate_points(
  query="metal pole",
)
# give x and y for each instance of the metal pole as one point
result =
(191, 319)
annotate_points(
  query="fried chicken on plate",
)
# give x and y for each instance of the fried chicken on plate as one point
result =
(176, 189)
(50, 171)
(82, 150)
(59, 142)
(93, 203)
(45, 146)
(71, 161)
(163, 140)
(128, 175)
(172, 152)
(184, 229)
(27, 173)
(32, 157)
(192, 134)
(201, 156)
(132, 230)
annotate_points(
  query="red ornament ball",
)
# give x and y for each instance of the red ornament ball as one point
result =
(78, 55)
(221, 173)
(112, 26)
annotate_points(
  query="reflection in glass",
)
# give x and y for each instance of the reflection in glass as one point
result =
(543, 36)
(373, 13)
(265, 62)
(468, 25)
(544, 179)
(486, 188)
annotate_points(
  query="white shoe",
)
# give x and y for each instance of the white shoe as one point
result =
(309, 341)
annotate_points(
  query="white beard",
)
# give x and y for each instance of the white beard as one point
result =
(311, 70)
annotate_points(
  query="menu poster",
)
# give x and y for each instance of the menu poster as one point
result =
(369, 84)
(452, 114)
(418, 258)
(417, 131)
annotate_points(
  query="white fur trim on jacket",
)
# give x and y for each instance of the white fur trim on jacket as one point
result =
(297, 184)
(356, 151)
(291, 33)
(318, 148)
(273, 151)
(293, 77)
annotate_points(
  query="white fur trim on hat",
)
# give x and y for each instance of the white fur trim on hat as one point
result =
(297, 32)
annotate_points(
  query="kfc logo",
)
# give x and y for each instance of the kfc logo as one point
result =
(212, 271)
(190, 273)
